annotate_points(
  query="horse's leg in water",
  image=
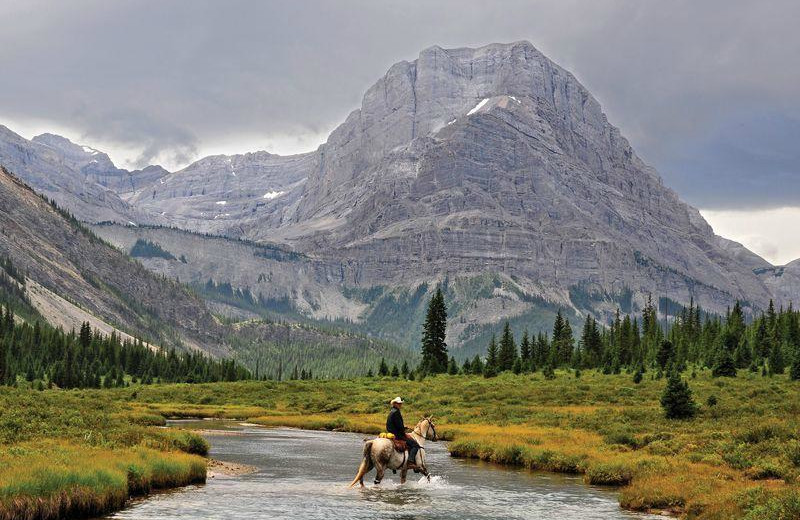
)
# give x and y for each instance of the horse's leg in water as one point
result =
(369, 468)
(403, 474)
(379, 472)
(423, 468)
(365, 466)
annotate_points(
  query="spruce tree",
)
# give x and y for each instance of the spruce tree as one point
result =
(777, 365)
(526, 351)
(477, 365)
(666, 353)
(383, 369)
(725, 366)
(395, 371)
(563, 341)
(85, 334)
(541, 351)
(452, 368)
(491, 357)
(794, 371)
(677, 401)
(591, 342)
(3, 359)
(508, 350)
(434, 331)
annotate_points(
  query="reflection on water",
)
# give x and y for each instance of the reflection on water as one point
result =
(304, 474)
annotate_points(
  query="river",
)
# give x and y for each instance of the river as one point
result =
(303, 474)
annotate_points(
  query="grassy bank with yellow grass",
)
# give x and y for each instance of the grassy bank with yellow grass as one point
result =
(77, 454)
(738, 458)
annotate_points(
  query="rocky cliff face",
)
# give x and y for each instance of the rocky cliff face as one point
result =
(67, 260)
(491, 164)
(496, 159)
(60, 170)
(221, 193)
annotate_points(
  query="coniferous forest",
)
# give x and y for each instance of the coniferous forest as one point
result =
(768, 343)
(89, 359)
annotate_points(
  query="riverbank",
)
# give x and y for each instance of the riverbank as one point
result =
(739, 458)
(79, 454)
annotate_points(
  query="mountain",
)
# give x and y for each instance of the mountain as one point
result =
(221, 193)
(80, 179)
(55, 268)
(496, 159)
(492, 171)
(74, 276)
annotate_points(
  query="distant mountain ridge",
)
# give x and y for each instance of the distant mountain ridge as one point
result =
(71, 276)
(473, 166)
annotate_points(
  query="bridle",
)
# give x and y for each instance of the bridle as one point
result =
(432, 427)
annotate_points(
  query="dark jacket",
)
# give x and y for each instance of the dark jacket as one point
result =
(395, 425)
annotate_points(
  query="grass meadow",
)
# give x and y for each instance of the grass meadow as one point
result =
(85, 452)
(77, 454)
(739, 458)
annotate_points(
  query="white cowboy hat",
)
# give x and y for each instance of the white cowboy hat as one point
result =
(397, 400)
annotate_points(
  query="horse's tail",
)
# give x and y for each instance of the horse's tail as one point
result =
(364, 467)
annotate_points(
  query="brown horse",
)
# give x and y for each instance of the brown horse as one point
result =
(380, 454)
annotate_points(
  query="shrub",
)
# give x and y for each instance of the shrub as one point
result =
(624, 437)
(725, 366)
(609, 474)
(190, 442)
(677, 400)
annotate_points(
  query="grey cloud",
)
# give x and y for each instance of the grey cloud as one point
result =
(178, 76)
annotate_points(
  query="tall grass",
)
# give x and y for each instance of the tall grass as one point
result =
(58, 479)
(77, 454)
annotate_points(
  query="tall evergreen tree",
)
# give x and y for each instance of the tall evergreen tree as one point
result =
(666, 354)
(508, 350)
(777, 363)
(591, 343)
(477, 365)
(526, 351)
(434, 331)
(794, 371)
(563, 343)
(452, 368)
(491, 367)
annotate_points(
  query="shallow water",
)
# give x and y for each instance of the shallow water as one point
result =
(304, 474)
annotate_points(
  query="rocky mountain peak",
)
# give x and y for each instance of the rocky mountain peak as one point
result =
(416, 100)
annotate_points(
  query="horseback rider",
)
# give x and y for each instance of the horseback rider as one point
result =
(396, 426)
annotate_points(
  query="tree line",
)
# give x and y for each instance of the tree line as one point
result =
(49, 356)
(768, 343)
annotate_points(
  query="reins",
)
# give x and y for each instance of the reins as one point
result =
(430, 424)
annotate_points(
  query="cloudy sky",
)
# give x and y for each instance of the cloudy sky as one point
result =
(708, 92)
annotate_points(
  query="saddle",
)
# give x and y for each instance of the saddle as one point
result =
(400, 445)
